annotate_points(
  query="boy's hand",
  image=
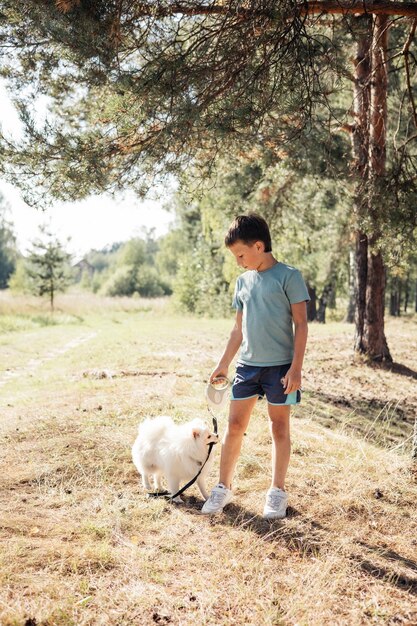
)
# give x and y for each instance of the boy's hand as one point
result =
(292, 380)
(219, 371)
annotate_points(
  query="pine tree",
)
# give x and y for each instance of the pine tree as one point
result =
(48, 266)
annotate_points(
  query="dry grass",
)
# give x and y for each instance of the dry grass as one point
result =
(82, 545)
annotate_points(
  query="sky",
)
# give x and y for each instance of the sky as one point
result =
(95, 222)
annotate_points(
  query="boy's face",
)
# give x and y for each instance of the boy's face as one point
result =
(249, 256)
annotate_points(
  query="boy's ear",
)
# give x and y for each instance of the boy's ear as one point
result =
(260, 246)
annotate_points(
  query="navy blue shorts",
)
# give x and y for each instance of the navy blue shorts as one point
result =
(251, 381)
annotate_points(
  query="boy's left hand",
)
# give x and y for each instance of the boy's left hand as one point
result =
(292, 380)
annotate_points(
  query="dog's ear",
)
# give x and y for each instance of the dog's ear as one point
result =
(196, 433)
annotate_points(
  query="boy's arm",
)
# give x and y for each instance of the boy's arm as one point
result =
(292, 379)
(232, 347)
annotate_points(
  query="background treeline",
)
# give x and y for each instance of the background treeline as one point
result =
(134, 267)
(309, 218)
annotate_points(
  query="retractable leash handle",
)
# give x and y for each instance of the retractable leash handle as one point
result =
(216, 392)
(216, 395)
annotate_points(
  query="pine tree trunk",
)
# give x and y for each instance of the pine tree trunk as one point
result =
(375, 344)
(406, 292)
(399, 296)
(350, 313)
(360, 289)
(374, 341)
(312, 304)
(321, 311)
(324, 300)
(392, 301)
(369, 146)
(362, 27)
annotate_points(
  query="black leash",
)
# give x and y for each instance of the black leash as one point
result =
(166, 494)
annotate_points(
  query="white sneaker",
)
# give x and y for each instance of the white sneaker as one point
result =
(219, 497)
(276, 504)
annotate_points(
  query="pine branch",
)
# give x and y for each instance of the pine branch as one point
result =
(359, 7)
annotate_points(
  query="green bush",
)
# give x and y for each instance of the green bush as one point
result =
(19, 281)
(200, 286)
(128, 280)
(121, 282)
(148, 283)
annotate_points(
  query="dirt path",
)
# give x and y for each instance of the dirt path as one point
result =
(33, 364)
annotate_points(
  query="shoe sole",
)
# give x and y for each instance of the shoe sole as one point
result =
(274, 516)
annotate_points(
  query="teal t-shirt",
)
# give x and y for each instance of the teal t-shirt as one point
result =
(265, 299)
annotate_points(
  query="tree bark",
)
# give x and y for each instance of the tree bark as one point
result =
(374, 342)
(361, 253)
(395, 297)
(312, 304)
(311, 7)
(415, 300)
(369, 159)
(362, 28)
(397, 311)
(360, 7)
(350, 313)
(323, 302)
(406, 292)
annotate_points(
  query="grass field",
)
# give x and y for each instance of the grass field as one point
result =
(81, 544)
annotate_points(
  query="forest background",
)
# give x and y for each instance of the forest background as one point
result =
(309, 217)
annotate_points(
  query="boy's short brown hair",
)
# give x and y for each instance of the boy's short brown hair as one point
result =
(248, 229)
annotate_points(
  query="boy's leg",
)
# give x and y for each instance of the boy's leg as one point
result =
(239, 415)
(281, 443)
(276, 499)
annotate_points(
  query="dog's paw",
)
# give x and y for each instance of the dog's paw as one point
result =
(178, 500)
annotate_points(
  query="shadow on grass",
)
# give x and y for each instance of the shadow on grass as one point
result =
(398, 368)
(382, 422)
(390, 555)
(401, 581)
(309, 538)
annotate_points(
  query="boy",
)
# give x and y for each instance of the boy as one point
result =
(269, 298)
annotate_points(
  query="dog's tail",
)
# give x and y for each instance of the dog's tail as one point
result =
(154, 428)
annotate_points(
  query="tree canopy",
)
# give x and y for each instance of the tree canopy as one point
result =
(136, 89)
(113, 94)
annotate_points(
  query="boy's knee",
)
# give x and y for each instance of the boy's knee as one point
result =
(279, 428)
(236, 426)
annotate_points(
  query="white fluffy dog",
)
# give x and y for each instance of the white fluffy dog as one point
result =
(163, 448)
